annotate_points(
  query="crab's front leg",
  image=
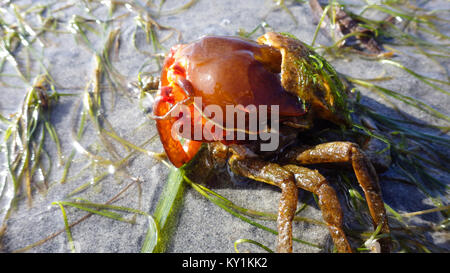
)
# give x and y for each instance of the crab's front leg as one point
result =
(347, 152)
(275, 175)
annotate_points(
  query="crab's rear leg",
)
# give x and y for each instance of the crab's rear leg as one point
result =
(288, 178)
(347, 152)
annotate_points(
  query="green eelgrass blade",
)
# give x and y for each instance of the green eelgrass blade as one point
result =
(54, 136)
(126, 143)
(240, 241)
(410, 214)
(424, 79)
(107, 206)
(179, 9)
(393, 13)
(87, 207)
(355, 194)
(406, 99)
(152, 236)
(151, 239)
(394, 124)
(285, 8)
(241, 32)
(66, 225)
(76, 136)
(165, 212)
(5, 120)
(254, 213)
(319, 25)
(219, 202)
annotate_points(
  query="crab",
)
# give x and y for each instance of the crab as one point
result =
(280, 70)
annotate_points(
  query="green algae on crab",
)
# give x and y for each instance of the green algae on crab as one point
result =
(310, 77)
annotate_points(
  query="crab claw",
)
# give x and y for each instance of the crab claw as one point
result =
(168, 94)
(177, 153)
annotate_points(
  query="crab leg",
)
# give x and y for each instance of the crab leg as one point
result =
(288, 178)
(313, 181)
(347, 152)
(275, 175)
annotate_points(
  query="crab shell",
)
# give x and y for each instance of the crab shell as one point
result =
(276, 70)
